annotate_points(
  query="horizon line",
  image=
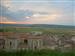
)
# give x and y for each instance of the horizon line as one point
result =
(39, 24)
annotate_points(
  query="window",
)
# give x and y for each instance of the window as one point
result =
(2, 42)
(10, 43)
(25, 41)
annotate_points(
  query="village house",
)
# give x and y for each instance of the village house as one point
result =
(29, 41)
(10, 40)
(35, 42)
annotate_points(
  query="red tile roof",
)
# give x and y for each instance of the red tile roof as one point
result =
(19, 35)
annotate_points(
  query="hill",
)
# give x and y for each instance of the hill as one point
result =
(37, 25)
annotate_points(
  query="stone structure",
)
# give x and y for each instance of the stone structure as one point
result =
(14, 41)
(18, 41)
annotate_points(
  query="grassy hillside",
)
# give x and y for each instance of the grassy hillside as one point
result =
(55, 29)
(44, 30)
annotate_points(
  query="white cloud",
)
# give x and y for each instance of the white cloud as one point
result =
(48, 19)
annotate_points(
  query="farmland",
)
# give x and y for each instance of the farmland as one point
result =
(44, 30)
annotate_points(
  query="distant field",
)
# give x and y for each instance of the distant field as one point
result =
(38, 53)
(44, 30)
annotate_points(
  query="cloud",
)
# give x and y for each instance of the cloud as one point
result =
(38, 11)
(5, 20)
(45, 19)
(16, 16)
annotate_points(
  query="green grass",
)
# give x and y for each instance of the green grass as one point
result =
(37, 53)
(44, 30)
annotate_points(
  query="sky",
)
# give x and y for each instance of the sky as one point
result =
(58, 12)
